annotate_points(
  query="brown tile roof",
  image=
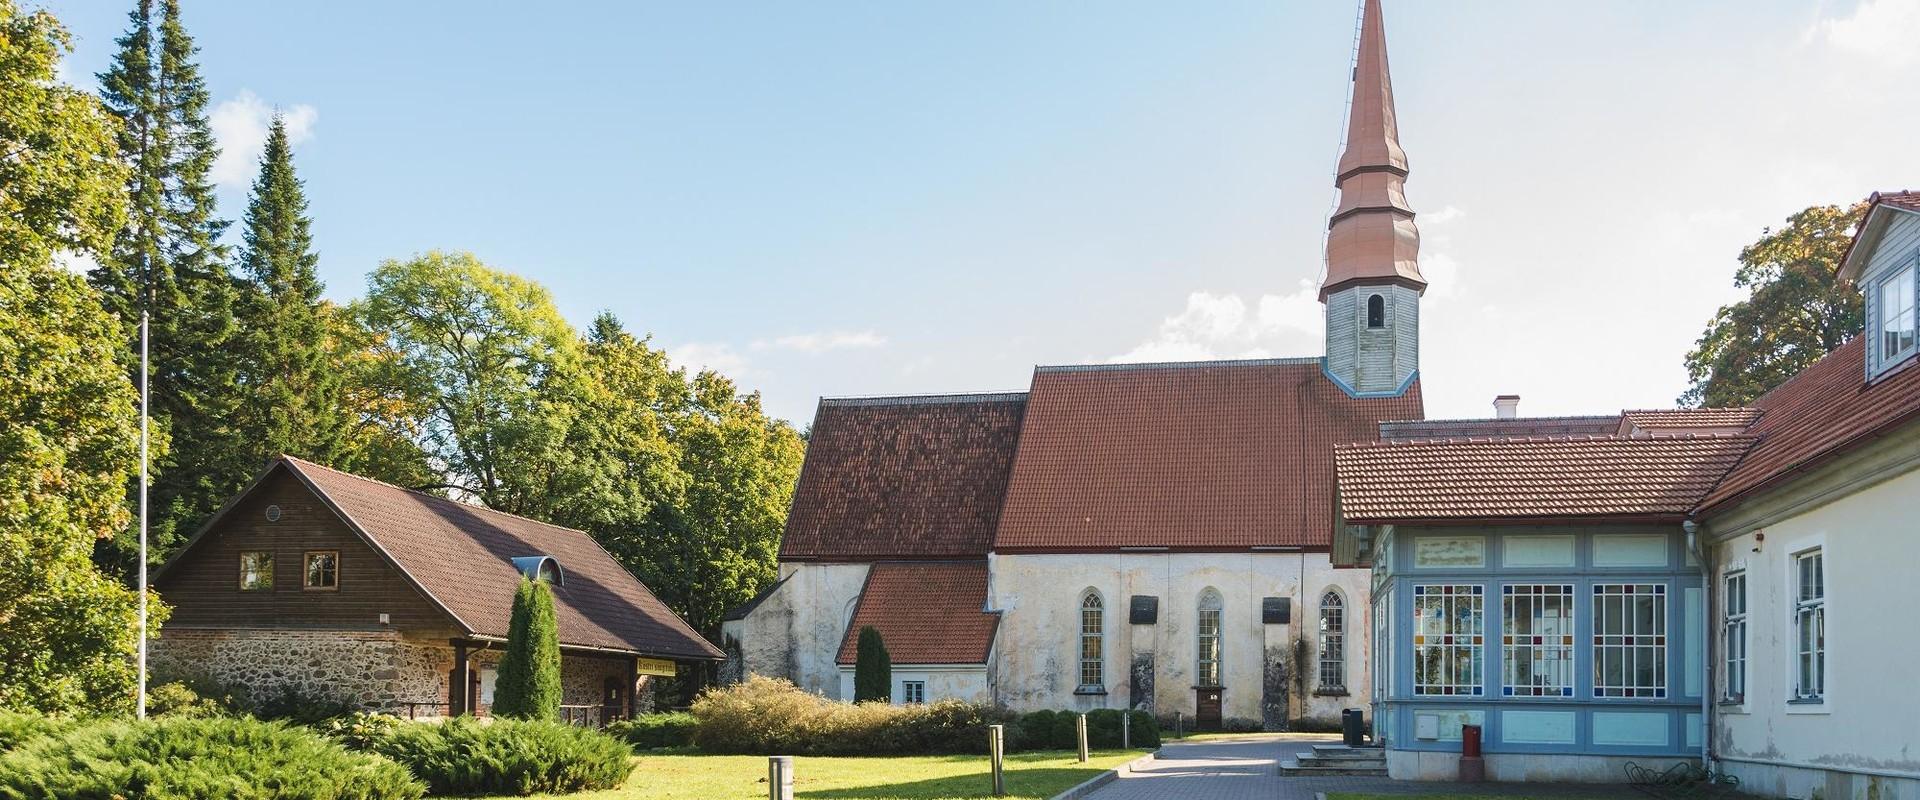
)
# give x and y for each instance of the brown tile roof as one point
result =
(1463, 480)
(458, 555)
(1827, 409)
(1909, 200)
(1198, 456)
(927, 612)
(1691, 418)
(903, 477)
(1405, 430)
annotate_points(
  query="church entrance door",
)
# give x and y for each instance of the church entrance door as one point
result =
(1206, 711)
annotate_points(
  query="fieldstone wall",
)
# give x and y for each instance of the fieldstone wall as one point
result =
(582, 678)
(373, 670)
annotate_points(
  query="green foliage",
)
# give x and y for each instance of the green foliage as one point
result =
(654, 731)
(528, 684)
(61, 189)
(167, 259)
(1796, 311)
(67, 433)
(1032, 731)
(290, 704)
(465, 756)
(872, 668)
(178, 757)
(771, 716)
(360, 730)
(1066, 733)
(18, 728)
(180, 700)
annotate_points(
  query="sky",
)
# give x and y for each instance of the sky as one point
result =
(861, 198)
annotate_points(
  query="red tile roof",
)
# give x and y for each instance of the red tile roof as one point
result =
(1691, 418)
(1464, 480)
(1406, 430)
(1827, 409)
(927, 612)
(903, 477)
(1909, 200)
(1198, 456)
(459, 557)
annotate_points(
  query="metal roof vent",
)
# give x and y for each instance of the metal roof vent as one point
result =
(541, 568)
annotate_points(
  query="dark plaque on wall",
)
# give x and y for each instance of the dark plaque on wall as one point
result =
(1145, 610)
(1276, 610)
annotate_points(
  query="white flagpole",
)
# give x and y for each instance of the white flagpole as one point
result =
(140, 695)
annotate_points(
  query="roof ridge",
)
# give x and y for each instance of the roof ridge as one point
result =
(923, 399)
(1547, 439)
(1498, 419)
(1687, 410)
(464, 505)
(1146, 365)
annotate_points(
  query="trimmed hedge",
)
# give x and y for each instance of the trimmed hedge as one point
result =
(181, 757)
(654, 731)
(465, 756)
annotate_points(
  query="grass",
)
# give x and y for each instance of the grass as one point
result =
(699, 777)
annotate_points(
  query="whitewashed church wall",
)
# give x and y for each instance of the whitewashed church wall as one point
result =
(795, 632)
(1859, 740)
(966, 682)
(1037, 651)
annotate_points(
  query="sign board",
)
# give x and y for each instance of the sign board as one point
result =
(655, 666)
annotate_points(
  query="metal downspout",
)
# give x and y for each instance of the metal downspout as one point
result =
(1699, 550)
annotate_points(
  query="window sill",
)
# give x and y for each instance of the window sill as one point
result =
(1807, 701)
(1330, 693)
(1091, 690)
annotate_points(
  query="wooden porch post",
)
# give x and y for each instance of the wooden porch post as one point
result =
(633, 687)
(457, 701)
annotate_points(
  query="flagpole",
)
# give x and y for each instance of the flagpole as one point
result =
(140, 695)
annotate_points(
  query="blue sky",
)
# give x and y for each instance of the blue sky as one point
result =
(868, 198)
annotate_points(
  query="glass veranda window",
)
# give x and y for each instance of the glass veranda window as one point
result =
(1536, 640)
(1630, 640)
(1207, 633)
(1449, 631)
(1092, 649)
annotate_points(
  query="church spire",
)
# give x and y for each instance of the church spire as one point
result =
(1371, 237)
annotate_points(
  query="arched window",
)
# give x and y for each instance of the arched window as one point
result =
(1376, 311)
(1092, 643)
(1207, 638)
(1333, 642)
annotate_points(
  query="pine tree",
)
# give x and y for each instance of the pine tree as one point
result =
(293, 396)
(528, 683)
(167, 261)
(872, 668)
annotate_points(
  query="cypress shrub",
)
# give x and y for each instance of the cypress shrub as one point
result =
(872, 669)
(182, 757)
(528, 683)
(506, 756)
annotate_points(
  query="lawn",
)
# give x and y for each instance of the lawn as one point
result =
(698, 777)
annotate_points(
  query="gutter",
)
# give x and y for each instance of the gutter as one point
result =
(1699, 551)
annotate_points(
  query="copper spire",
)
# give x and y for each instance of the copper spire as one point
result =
(1371, 237)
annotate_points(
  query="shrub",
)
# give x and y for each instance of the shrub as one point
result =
(528, 684)
(1033, 731)
(17, 728)
(181, 757)
(771, 716)
(1142, 729)
(872, 668)
(290, 704)
(466, 756)
(653, 731)
(1066, 734)
(360, 730)
(180, 700)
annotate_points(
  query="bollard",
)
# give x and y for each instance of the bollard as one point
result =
(1126, 730)
(996, 755)
(1177, 733)
(779, 777)
(1080, 732)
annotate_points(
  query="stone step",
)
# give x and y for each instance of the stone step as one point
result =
(1321, 761)
(1343, 751)
(1293, 768)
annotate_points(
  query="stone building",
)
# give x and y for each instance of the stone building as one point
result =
(1155, 536)
(345, 588)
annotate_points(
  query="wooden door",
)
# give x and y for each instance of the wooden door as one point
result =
(613, 701)
(1206, 712)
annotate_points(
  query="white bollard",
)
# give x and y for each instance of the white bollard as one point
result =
(1080, 732)
(779, 777)
(1126, 730)
(997, 754)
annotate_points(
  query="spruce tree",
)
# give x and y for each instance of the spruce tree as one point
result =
(872, 668)
(528, 683)
(167, 261)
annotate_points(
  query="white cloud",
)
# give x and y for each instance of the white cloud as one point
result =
(1226, 326)
(1441, 217)
(240, 125)
(823, 341)
(1885, 30)
(717, 356)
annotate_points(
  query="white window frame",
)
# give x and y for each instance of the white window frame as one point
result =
(1333, 642)
(1910, 308)
(1733, 636)
(1632, 645)
(1209, 617)
(1809, 655)
(1547, 655)
(913, 692)
(1093, 649)
(1458, 652)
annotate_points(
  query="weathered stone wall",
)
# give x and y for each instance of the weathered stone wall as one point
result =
(375, 670)
(795, 632)
(582, 678)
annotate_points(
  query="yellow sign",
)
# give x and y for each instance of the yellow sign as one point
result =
(656, 666)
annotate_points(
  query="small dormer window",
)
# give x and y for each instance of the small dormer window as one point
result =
(1376, 311)
(540, 568)
(1895, 315)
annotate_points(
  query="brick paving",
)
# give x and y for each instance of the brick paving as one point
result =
(1248, 767)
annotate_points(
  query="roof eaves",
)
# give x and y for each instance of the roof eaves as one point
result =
(1150, 365)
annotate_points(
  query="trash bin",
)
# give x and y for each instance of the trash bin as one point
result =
(1353, 727)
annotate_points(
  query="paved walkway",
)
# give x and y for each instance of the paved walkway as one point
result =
(1248, 767)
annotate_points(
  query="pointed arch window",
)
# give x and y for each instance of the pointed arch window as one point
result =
(1207, 638)
(1333, 642)
(1092, 643)
(1376, 311)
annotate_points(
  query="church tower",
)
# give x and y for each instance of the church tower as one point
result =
(1373, 284)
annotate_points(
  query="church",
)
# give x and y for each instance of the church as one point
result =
(1150, 536)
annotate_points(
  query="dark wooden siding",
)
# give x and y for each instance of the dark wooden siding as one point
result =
(203, 587)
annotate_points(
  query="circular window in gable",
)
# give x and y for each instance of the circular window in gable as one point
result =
(273, 513)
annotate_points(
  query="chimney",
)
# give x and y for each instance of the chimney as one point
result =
(1506, 406)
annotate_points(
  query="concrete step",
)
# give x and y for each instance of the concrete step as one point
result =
(1342, 751)
(1320, 761)
(1294, 768)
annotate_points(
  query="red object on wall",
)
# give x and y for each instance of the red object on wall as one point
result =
(1470, 741)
